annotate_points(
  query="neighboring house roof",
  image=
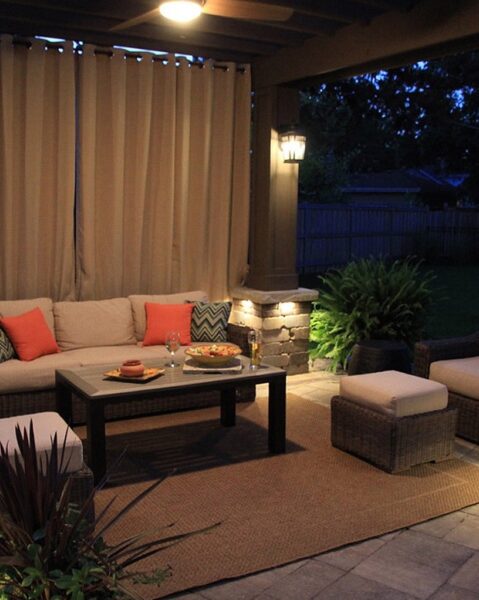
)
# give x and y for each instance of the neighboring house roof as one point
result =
(404, 181)
(398, 182)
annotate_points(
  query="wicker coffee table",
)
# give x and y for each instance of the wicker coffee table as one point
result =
(96, 391)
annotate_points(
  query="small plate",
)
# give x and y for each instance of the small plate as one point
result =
(148, 375)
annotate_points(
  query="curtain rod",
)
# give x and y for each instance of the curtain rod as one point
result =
(163, 59)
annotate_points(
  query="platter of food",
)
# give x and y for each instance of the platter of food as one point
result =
(217, 355)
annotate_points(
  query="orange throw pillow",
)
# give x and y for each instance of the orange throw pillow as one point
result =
(162, 318)
(29, 334)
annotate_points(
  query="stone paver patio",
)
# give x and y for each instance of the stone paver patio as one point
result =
(437, 560)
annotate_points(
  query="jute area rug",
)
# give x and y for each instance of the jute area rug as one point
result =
(272, 509)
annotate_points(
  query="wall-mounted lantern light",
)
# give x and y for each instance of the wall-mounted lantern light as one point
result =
(292, 142)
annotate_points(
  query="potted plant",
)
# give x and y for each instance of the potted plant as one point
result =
(369, 299)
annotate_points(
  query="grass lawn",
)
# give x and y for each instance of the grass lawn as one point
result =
(455, 309)
(456, 305)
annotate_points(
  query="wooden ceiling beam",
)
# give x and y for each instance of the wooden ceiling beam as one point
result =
(248, 31)
(413, 33)
(380, 4)
(207, 24)
(29, 28)
(131, 42)
(308, 25)
(346, 11)
(163, 35)
(207, 40)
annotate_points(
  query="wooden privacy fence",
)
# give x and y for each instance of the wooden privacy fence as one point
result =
(333, 235)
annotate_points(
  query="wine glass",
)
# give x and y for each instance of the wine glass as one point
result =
(172, 345)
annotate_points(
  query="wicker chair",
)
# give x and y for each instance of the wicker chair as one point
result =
(429, 351)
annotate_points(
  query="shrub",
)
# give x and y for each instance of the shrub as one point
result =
(48, 550)
(369, 299)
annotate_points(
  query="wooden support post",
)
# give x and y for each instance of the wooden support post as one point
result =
(274, 194)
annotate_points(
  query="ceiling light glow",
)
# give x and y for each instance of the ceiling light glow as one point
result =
(181, 11)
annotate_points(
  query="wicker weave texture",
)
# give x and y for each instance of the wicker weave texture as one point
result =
(238, 334)
(33, 402)
(467, 416)
(371, 356)
(392, 444)
(24, 403)
(429, 351)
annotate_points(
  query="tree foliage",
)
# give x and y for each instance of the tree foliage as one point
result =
(425, 114)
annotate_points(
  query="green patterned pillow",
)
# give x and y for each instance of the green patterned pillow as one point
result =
(209, 321)
(7, 351)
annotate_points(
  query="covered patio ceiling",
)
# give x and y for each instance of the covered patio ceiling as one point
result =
(316, 41)
(320, 38)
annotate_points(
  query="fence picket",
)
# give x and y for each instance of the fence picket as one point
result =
(332, 235)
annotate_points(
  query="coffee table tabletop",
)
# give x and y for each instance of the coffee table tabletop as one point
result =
(96, 390)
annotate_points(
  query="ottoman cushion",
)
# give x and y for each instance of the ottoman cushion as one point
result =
(460, 375)
(44, 427)
(394, 393)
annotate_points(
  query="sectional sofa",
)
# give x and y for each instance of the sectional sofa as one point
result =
(103, 332)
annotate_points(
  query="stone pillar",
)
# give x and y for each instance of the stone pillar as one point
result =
(272, 301)
(283, 317)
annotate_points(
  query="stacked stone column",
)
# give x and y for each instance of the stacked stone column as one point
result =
(283, 317)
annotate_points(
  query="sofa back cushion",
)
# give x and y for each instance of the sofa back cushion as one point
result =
(13, 308)
(138, 306)
(94, 323)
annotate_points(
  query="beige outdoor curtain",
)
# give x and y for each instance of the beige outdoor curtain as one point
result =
(163, 200)
(37, 159)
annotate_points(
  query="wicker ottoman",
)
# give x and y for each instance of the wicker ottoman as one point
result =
(45, 425)
(393, 420)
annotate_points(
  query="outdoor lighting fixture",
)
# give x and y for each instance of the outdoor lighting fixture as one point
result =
(181, 11)
(292, 142)
(286, 308)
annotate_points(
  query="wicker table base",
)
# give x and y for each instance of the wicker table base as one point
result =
(392, 444)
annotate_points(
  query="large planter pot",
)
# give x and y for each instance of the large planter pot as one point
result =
(370, 356)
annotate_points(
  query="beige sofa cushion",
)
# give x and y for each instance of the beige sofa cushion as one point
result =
(19, 376)
(394, 393)
(115, 355)
(94, 323)
(12, 308)
(460, 375)
(44, 427)
(39, 374)
(138, 306)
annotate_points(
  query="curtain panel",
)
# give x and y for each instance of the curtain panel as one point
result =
(163, 181)
(37, 170)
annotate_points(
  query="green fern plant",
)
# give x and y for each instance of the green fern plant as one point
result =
(369, 299)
